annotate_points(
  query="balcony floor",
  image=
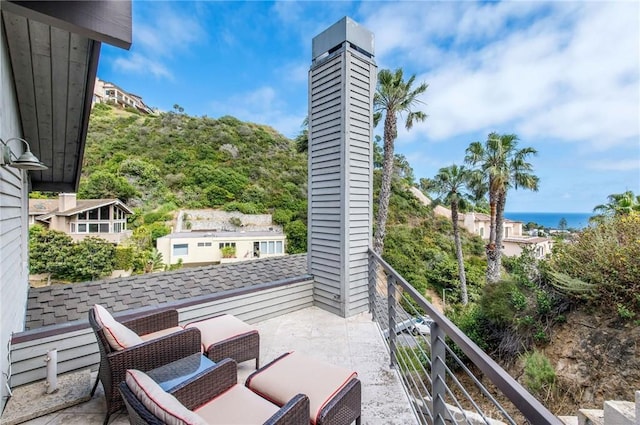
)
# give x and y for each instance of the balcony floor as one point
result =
(353, 343)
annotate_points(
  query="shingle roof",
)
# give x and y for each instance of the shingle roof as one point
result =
(59, 304)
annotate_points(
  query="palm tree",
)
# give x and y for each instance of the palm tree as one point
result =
(451, 182)
(504, 166)
(393, 97)
(619, 204)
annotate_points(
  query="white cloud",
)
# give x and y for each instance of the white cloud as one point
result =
(615, 165)
(159, 36)
(264, 106)
(140, 64)
(563, 71)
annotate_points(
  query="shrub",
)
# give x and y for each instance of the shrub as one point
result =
(123, 258)
(606, 255)
(493, 302)
(539, 374)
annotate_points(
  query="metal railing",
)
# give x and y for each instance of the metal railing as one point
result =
(441, 386)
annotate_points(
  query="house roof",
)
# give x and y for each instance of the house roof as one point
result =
(54, 49)
(527, 240)
(221, 235)
(487, 217)
(58, 304)
(37, 207)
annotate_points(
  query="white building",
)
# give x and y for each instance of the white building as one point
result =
(197, 248)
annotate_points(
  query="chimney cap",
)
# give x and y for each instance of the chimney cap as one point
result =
(346, 29)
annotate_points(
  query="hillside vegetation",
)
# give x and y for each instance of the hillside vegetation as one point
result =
(158, 164)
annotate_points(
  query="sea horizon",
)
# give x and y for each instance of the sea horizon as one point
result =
(575, 220)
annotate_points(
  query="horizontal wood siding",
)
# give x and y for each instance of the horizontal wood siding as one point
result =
(79, 350)
(326, 177)
(13, 222)
(362, 74)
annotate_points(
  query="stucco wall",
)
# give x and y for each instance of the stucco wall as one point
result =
(211, 254)
(13, 223)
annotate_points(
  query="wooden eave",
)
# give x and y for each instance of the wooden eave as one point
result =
(54, 47)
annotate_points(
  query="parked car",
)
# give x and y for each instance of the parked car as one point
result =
(422, 325)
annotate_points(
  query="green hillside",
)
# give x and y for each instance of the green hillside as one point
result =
(159, 164)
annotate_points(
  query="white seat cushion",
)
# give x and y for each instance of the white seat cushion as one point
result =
(220, 328)
(163, 332)
(162, 404)
(297, 373)
(117, 334)
(237, 406)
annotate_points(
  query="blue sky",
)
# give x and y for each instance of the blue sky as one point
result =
(563, 76)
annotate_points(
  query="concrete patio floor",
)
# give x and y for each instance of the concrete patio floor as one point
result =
(353, 343)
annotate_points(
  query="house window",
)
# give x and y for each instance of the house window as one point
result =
(481, 231)
(181, 249)
(225, 244)
(104, 213)
(271, 247)
(204, 244)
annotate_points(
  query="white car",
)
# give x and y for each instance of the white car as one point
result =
(422, 325)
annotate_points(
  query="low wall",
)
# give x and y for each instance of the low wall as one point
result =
(78, 349)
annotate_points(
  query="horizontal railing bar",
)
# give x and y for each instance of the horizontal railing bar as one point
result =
(482, 388)
(531, 408)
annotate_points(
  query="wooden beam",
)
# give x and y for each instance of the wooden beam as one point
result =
(107, 21)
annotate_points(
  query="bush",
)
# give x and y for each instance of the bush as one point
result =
(497, 302)
(607, 256)
(539, 374)
(123, 258)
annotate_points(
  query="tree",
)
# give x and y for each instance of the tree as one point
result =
(562, 224)
(103, 184)
(618, 204)
(503, 166)
(451, 183)
(49, 251)
(91, 258)
(393, 97)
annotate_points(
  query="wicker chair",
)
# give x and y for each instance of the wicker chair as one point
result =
(207, 389)
(145, 356)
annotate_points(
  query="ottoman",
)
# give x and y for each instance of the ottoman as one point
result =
(226, 336)
(334, 392)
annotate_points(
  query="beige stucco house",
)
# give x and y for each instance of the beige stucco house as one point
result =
(206, 247)
(107, 92)
(514, 240)
(80, 218)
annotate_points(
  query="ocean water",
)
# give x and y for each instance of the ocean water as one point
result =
(551, 220)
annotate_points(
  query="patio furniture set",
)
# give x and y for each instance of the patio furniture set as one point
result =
(164, 373)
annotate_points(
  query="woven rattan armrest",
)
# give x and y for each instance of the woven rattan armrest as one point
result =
(152, 354)
(153, 322)
(208, 385)
(295, 412)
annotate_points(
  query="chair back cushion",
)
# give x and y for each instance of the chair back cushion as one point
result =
(162, 404)
(118, 336)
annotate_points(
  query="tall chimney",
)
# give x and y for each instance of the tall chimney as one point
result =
(66, 201)
(342, 82)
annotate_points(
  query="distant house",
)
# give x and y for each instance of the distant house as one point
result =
(197, 248)
(80, 218)
(514, 240)
(106, 92)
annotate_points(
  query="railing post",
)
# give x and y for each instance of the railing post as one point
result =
(391, 303)
(372, 286)
(438, 374)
